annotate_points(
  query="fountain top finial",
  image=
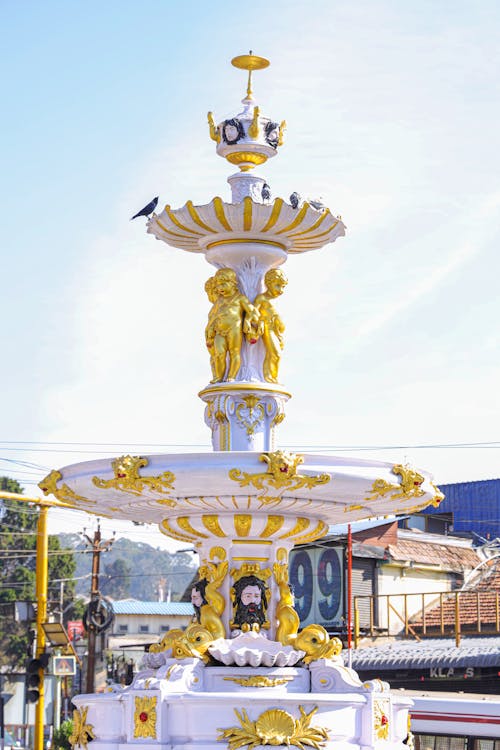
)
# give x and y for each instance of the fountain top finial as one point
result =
(250, 62)
(249, 138)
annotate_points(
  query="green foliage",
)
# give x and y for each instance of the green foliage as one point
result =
(139, 574)
(116, 579)
(18, 573)
(60, 738)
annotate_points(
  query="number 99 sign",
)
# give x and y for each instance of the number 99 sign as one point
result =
(317, 580)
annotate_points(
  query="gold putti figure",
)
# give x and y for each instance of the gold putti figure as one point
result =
(271, 326)
(232, 315)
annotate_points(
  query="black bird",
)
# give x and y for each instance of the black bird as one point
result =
(295, 199)
(266, 192)
(147, 210)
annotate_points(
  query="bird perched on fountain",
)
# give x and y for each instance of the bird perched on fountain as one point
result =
(147, 210)
(266, 192)
(318, 204)
(295, 200)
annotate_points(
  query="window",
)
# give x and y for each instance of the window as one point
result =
(164, 628)
(143, 628)
(123, 628)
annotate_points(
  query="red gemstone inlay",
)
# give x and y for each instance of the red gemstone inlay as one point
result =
(384, 720)
(143, 716)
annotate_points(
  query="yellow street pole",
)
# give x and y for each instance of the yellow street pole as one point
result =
(42, 575)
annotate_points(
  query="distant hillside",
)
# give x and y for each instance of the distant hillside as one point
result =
(132, 569)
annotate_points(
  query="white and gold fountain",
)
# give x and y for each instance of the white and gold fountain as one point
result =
(243, 674)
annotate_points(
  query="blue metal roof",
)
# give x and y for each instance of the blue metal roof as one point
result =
(472, 652)
(475, 506)
(134, 607)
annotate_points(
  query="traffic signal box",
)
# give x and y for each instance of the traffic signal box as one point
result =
(34, 675)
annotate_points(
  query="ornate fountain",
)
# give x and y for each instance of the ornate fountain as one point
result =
(243, 674)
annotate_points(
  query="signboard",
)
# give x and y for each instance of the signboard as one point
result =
(316, 575)
(62, 666)
(75, 629)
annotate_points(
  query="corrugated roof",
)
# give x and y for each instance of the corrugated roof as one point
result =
(448, 556)
(134, 607)
(472, 652)
(475, 506)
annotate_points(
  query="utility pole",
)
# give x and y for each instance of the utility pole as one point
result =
(94, 609)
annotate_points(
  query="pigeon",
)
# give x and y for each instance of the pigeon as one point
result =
(295, 200)
(147, 210)
(266, 192)
(318, 204)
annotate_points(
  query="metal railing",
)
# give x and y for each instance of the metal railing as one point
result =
(445, 613)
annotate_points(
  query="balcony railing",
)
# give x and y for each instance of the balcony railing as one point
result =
(420, 615)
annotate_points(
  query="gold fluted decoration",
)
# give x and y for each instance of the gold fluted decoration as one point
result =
(288, 619)
(410, 485)
(214, 131)
(271, 326)
(82, 732)
(230, 317)
(242, 524)
(259, 681)
(145, 717)
(281, 473)
(127, 479)
(210, 613)
(64, 494)
(211, 523)
(190, 643)
(275, 727)
(317, 643)
(273, 525)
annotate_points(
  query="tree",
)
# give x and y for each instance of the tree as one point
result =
(116, 579)
(18, 573)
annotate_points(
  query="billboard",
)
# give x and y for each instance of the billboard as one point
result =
(317, 575)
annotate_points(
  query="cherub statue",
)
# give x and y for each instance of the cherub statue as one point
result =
(212, 297)
(231, 315)
(271, 325)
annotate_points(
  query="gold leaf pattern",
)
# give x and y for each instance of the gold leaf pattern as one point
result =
(275, 727)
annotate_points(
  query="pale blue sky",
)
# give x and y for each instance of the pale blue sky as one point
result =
(393, 112)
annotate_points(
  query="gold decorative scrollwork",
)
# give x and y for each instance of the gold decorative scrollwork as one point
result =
(438, 497)
(214, 131)
(275, 727)
(381, 722)
(250, 569)
(250, 414)
(82, 731)
(259, 680)
(127, 478)
(65, 494)
(145, 717)
(410, 485)
(281, 473)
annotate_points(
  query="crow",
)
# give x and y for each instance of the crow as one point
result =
(266, 192)
(147, 210)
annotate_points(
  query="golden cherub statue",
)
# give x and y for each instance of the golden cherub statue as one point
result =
(271, 326)
(231, 315)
